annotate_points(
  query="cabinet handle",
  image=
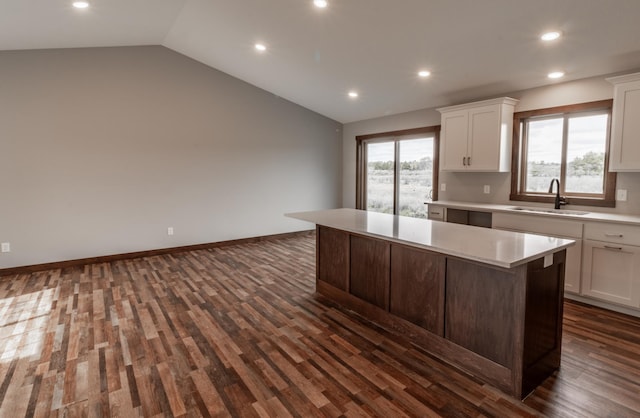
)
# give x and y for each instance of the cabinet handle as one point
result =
(468, 160)
(464, 160)
(614, 235)
(608, 247)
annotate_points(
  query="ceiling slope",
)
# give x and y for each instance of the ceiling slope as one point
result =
(474, 49)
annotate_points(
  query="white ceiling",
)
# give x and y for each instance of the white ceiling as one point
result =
(474, 48)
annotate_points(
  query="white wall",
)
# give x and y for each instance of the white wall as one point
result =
(469, 186)
(102, 149)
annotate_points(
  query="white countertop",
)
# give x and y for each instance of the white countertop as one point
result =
(560, 213)
(491, 246)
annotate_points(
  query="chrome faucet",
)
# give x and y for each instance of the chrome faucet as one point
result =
(559, 200)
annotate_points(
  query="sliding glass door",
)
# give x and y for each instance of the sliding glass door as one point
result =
(399, 174)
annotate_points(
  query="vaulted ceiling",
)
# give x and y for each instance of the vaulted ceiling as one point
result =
(474, 49)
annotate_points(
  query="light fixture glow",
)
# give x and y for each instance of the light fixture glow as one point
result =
(424, 73)
(550, 36)
(353, 94)
(320, 3)
(80, 4)
(260, 47)
(555, 74)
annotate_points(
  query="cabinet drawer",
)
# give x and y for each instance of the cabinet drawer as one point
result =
(435, 213)
(610, 232)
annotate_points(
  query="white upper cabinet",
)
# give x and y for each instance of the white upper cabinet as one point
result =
(625, 126)
(477, 136)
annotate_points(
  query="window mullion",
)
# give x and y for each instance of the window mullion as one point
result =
(363, 175)
(396, 176)
(563, 158)
(524, 155)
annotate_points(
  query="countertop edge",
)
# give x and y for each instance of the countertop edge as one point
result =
(497, 263)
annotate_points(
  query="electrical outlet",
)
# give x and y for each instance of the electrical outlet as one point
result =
(487, 189)
(170, 230)
(443, 187)
(621, 195)
(6, 247)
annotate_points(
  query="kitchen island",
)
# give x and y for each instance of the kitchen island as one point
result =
(487, 301)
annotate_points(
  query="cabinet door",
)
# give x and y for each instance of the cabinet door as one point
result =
(333, 257)
(417, 287)
(370, 264)
(484, 139)
(573, 268)
(625, 147)
(480, 303)
(611, 272)
(455, 129)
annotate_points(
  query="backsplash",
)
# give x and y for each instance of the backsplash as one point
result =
(469, 187)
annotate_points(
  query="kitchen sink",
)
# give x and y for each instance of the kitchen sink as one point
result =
(556, 211)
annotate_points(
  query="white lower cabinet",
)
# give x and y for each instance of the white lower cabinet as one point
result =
(435, 213)
(611, 263)
(612, 272)
(553, 227)
(572, 269)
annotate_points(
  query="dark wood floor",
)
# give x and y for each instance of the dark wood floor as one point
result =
(237, 331)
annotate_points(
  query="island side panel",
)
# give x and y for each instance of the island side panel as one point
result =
(332, 250)
(482, 307)
(370, 270)
(543, 321)
(417, 287)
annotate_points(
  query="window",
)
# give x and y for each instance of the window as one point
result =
(397, 171)
(570, 143)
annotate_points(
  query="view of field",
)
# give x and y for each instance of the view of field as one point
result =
(584, 174)
(585, 153)
(415, 176)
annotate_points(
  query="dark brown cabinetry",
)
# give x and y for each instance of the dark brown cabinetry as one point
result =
(370, 270)
(481, 310)
(332, 257)
(503, 325)
(417, 287)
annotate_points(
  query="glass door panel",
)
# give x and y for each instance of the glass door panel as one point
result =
(415, 176)
(380, 176)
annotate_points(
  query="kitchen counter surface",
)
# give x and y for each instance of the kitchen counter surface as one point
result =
(536, 211)
(495, 247)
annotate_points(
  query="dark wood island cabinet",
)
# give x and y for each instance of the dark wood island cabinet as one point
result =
(499, 319)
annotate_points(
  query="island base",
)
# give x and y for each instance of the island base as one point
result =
(503, 326)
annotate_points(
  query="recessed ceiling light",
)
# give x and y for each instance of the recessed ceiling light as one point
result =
(353, 94)
(80, 4)
(555, 74)
(320, 3)
(550, 36)
(424, 73)
(261, 47)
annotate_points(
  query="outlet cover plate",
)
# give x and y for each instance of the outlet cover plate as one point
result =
(6, 247)
(621, 195)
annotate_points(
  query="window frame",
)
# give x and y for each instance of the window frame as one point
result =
(396, 137)
(519, 159)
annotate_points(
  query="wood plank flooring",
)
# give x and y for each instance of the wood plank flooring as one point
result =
(238, 332)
